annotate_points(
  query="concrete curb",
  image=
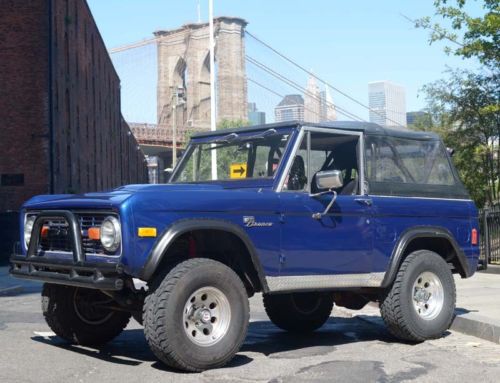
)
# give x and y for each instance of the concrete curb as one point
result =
(492, 269)
(11, 290)
(478, 326)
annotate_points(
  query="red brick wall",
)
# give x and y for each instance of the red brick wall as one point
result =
(91, 136)
(92, 147)
(24, 102)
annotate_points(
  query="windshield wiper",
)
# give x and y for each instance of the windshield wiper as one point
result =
(233, 137)
(267, 133)
(227, 139)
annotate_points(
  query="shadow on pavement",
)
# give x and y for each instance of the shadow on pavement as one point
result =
(130, 348)
(461, 311)
(263, 337)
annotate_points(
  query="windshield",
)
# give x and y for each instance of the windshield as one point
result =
(237, 156)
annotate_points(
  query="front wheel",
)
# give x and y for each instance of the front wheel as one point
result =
(81, 316)
(196, 317)
(420, 304)
(299, 312)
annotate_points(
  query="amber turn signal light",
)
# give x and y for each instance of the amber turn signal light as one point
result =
(146, 232)
(94, 233)
(45, 231)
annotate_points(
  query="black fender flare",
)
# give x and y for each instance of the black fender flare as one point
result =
(422, 232)
(183, 226)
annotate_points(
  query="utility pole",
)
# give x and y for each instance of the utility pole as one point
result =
(179, 91)
(212, 83)
(175, 100)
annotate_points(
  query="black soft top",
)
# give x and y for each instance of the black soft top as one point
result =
(368, 128)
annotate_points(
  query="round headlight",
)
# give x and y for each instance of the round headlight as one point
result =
(111, 236)
(28, 228)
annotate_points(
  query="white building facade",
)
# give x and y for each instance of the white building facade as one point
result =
(387, 102)
(291, 108)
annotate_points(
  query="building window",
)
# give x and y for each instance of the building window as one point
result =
(12, 180)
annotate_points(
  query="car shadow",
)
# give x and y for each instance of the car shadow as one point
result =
(131, 348)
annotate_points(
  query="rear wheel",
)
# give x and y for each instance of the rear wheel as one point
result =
(80, 315)
(420, 304)
(196, 317)
(299, 312)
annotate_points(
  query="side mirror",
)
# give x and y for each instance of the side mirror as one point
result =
(329, 179)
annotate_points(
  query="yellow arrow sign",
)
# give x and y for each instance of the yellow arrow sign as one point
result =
(238, 170)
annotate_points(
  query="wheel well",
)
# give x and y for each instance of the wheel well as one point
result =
(218, 245)
(439, 245)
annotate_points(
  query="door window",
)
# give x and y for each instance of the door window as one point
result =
(327, 151)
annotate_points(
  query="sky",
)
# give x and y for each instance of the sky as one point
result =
(346, 43)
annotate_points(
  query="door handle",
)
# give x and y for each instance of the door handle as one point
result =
(364, 201)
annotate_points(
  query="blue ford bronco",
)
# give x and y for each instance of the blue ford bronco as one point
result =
(307, 214)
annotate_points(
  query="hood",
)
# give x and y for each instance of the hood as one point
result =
(156, 188)
(104, 200)
(118, 197)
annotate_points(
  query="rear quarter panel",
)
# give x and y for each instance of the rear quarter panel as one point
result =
(393, 216)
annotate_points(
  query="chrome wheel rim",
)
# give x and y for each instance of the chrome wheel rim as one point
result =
(206, 316)
(428, 295)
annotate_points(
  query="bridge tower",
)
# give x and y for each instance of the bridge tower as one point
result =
(183, 67)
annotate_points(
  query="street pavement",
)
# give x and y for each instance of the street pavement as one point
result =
(346, 349)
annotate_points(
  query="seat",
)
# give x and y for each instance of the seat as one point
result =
(350, 187)
(297, 178)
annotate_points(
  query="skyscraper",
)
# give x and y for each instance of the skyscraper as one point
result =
(312, 101)
(254, 115)
(291, 108)
(387, 104)
(327, 110)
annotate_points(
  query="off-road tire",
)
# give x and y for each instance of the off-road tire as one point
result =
(60, 313)
(164, 322)
(398, 312)
(298, 312)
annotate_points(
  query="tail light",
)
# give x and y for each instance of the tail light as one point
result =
(474, 237)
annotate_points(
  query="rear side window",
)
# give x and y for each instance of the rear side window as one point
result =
(401, 166)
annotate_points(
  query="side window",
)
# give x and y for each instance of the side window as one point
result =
(395, 165)
(382, 165)
(328, 151)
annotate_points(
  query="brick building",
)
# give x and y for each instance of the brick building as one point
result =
(62, 129)
(61, 126)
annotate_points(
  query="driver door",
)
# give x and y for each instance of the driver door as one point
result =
(334, 250)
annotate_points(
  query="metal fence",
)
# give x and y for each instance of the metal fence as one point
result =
(490, 236)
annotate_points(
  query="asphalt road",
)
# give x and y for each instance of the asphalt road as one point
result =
(344, 350)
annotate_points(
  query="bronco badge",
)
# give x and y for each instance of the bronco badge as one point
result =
(250, 222)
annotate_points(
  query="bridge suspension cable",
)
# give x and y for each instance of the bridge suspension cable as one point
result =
(300, 88)
(310, 73)
(137, 44)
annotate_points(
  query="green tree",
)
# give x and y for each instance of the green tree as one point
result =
(465, 106)
(470, 37)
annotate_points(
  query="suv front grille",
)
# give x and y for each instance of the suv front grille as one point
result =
(56, 235)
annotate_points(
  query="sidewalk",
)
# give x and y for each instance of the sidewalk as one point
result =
(13, 286)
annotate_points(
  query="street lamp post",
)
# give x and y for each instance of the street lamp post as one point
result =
(212, 82)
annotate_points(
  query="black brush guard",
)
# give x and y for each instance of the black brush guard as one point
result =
(73, 272)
